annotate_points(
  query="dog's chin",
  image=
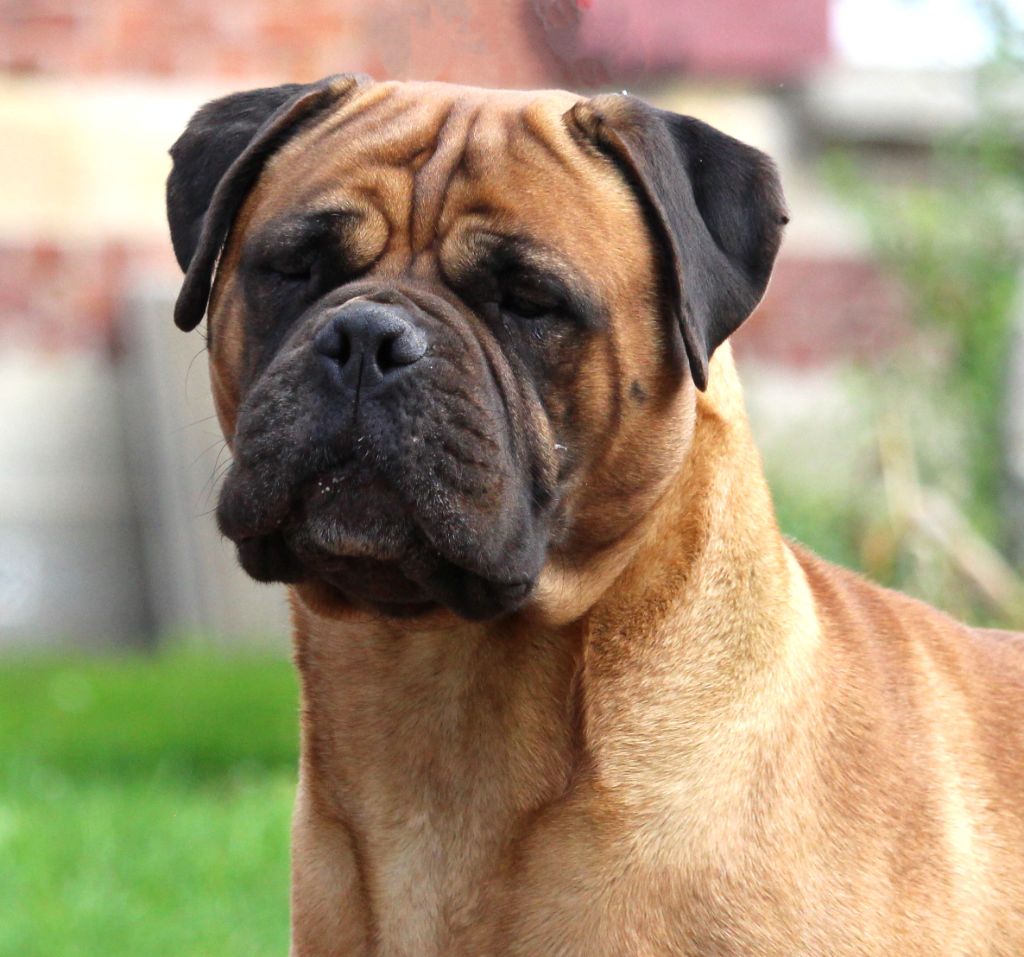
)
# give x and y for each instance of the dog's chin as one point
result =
(384, 568)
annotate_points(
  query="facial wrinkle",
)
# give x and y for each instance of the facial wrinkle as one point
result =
(432, 179)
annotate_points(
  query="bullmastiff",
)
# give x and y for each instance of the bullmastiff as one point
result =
(566, 689)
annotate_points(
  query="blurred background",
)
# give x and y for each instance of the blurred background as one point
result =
(145, 792)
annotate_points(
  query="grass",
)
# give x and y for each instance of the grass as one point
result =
(144, 806)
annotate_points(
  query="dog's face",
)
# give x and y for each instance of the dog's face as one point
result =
(455, 333)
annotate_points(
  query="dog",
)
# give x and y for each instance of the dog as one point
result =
(566, 689)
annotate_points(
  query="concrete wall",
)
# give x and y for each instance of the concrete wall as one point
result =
(70, 562)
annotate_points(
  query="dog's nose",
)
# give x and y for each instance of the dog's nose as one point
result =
(371, 340)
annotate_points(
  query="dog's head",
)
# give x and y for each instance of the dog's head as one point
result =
(455, 333)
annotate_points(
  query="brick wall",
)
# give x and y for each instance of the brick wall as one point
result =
(755, 40)
(57, 297)
(481, 41)
(818, 311)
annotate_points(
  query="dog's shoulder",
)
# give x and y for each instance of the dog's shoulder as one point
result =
(888, 630)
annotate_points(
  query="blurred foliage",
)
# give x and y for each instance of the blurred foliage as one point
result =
(144, 806)
(929, 518)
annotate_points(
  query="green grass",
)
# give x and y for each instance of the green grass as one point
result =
(144, 807)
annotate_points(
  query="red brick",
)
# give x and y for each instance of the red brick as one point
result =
(817, 311)
(55, 297)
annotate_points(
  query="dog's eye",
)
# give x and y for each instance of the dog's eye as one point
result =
(528, 301)
(292, 267)
(295, 274)
(523, 307)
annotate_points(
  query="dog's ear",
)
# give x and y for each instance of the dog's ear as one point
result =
(715, 204)
(217, 161)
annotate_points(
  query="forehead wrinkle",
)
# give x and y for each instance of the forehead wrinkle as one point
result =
(545, 139)
(435, 173)
(377, 107)
(379, 129)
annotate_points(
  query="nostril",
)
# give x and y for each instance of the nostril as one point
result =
(385, 355)
(334, 342)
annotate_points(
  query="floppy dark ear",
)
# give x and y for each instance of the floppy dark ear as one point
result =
(217, 161)
(716, 207)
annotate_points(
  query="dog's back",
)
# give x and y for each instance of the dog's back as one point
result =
(925, 758)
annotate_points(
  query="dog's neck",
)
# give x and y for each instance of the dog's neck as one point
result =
(721, 627)
(436, 746)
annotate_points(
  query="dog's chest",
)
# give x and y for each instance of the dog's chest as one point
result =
(547, 895)
(426, 883)
(435, 754)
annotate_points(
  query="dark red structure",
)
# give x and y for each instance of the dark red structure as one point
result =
(488, 42)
